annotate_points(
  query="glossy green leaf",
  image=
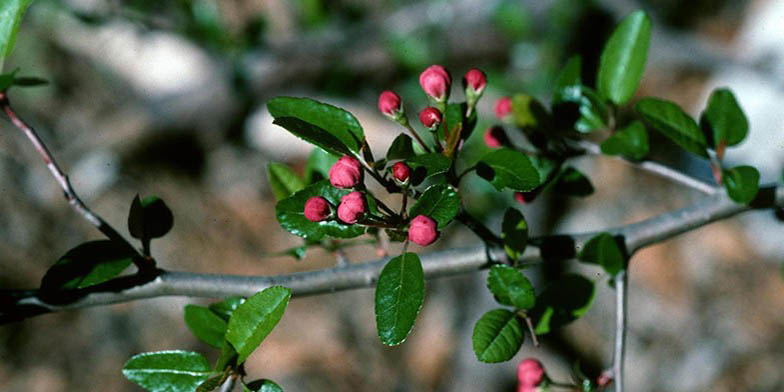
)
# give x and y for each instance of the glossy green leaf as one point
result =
(149, 218)
(205, 325)
(514, 233)
(11, 12)
(742, 183)
(563, 301)
(402, 148)
(630, 141)
(669, 119)
(511, 287)
(570, 73)
(604, 251)
(283, 181)
(454, 116)
(168, 371)
(228, 356)
(723, 120)
(591, 111)
(506, 168)
(324, 120)
(88, 264)
(225, 308)
(427, 165)
(497, 336)
(572, 182)
(318, 165)
(623, 58)
(439, 202)
(291, 214)
(262, 386)
(211, 384)
(400, 292)
(252, 321)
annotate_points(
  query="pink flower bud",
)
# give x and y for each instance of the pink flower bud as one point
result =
(475, 79)
(495, 137)
(430, 117)
(389, 103)
(524, 197)
(422, 230)
(345, 173)
(317, 209)
(435, 81)
(352, 207)
(400, 171)
(530, 373)
(604, 379)
(503, 107)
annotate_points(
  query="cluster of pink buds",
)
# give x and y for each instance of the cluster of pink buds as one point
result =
(531, 376)
(345, 173)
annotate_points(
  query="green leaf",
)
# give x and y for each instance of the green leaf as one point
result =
(324, 120)
(283, 181)
(261, 386)
(205, 325)
(514, 233)
(30, 81)
(563, 301)
(402, 148)
(572, 182)
(511, 287)
(506, 168)
(669, 119)
(255, 319)
(570, 73)
(427, 165)
(439, 202)
(228, 356)
(291, 214)
(631, 142)
(211, 384)
(400, 292)
(318, 165)
(527, 111)
(11, 12)
(88, 264)
(7, 79)
(225, 308)
(591, 111)
(497, 336)
(623, 58)
(742, 183)
(604, 251)
(454, 116)
(167, 371)
(149, 218)
(723, 120)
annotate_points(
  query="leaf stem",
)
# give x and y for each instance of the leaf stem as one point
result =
(416, 136)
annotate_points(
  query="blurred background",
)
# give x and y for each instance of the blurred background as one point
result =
(168, 98)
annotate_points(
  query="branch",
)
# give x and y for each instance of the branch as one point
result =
(19, 304)
(621, 299)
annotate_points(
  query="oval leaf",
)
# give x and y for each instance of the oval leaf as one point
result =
(439, 202)
(400, 292)
(167, 371)
(291, 214)
(325, 120)
(205, 325)
(87, 265)
(255, 319)
(497, 336)
(262, 386)
(149, 218)
(402, 148)
(562, 302)
(669, 119)
(742, 183)
(511, 287)
(572, 182)
(514, 233)
(427, 165)
(506, 168)
(283, 181)
(724, 120)
(623, 58)
(318, 165)
(11, 12)
(225, 308)
(631, 142)
(604, 251)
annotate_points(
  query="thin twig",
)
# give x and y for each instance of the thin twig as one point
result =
(416, 136)
(621, 299)
(76, 203)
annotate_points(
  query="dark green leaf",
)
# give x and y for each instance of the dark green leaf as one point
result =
(323, 118)
(205, 325)
(211, 384)
(149, 218)
(29, 81)
(723, 119)
(225, 308)
(252, 321)
(88, 264)
(318, 165)
(313, 135)
(591, 111)
(623, 58)
(291, 214)
(570, 73)
(514, 233)
(506, 168)
(669, 119)
(604, 251)
(11, 12)
(497, 336)
(742, 183)
(400, 292)
(572, 182)
(167, 371)
(454, 116)
(228, 356)
(427, 165)
(631, 142)
(283, 181)
(562, 302)
(510, 287)
(527, 111)
(402, 148)
(439, 202)
(262, 386)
